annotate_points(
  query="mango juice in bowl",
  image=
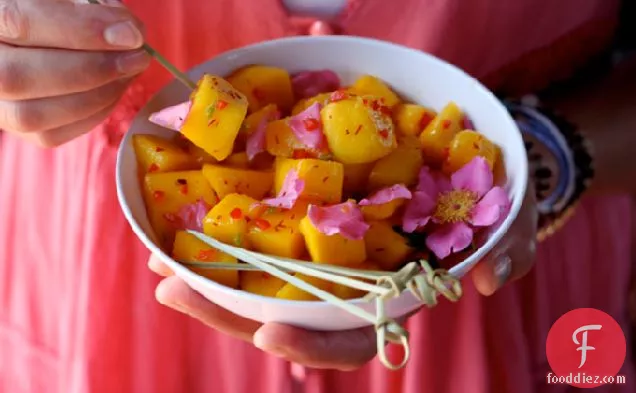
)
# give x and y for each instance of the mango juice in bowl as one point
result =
(342, 151)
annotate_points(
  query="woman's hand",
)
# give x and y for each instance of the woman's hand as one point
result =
(63, 66)
(514, 255)
(345, 350)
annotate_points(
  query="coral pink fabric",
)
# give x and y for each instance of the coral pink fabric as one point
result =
(77, 312)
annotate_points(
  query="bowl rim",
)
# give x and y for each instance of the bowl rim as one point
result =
(352, 40)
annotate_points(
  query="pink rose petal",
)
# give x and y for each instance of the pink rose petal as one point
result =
(289, 192)
(449, 238)
(311, 83)
(491, 208)
(475, 176)
(256, 141)
(191, 216)
(311, 138)
(418, 211)
(467, 124)
(171, 117)
(344, 219)
(386, 195)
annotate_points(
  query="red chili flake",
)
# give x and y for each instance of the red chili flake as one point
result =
(225, 181)
(292, 217)
(384, 133)
(182, 182)
(385, 110)
(153, 168)
(311, 124)
(263, 225)
(258, 94)
(358, 130)
(365, 101)
(425, 120)
(475, 146)
(324, 179)
(265, 275)
(158, 195)
(338, 95)
(159, 149)
(183, 189)
(299, 154)
(236, 213)
(375, 106)
(211, 122)
(221, 104)
(446, 123)
(206, 255)
(276, 139)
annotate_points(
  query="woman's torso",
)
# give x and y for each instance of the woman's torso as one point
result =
(77, 312)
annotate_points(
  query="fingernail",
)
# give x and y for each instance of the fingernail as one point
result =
(133, 63)
(502, 268)
(124, 35)
(260, 342)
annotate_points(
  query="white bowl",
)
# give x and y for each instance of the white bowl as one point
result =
(415, 75)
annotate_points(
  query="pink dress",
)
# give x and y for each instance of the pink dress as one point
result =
(77, 312)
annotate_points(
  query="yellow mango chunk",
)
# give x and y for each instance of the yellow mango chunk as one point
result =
(371, 86)
(332, 249)
(467, 145)
(215, 117)
(187, 248)
(263, 85)
(237, 160)
(275, 232)
(323, 179)
(280, 141)
(227, 222)
(227, 180)
(356, 177)
(412, 119)
(260, 283)
(167, 193)
(385, 246)
(356, 132)
(383, 211)
(301, 105)
(345, 292)
(157, 154)
(438, 135)
(291, 292)
(402, 166)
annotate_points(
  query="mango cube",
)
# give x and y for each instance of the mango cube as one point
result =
(157, 154)
(215, 117)
(187, 248)
(228, 219)
(332, 249)
(323, 179)
(260, 283)
(439, 133)
(275, 232)
(263, 85)
(227, 180)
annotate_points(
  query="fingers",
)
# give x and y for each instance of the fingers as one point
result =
(176, 294)
(50, 113)
(346, 350)
(503, 266)
(160, 268)
(62, 135)
(38, 73)
(59, 24)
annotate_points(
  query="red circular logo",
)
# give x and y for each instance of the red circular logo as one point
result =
(585, 348)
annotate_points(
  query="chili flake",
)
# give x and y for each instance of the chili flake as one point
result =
(183, 189)
(446, 123)
(236, 213)
(221, 104)
(159, 149)
(158, 195)
(182, 182)
(311, 124)
(384, 133)
(206, 255)
(324, 179)
(153, 168)
(425, 120)
(358, 130)
(263, 225)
